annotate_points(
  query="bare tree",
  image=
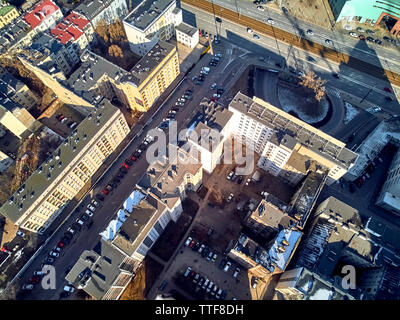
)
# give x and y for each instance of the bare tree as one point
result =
(310, 80)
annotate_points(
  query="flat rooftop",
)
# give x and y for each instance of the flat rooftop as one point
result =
(147, 12)
(102, 269)
(314, 139)
(271, 215)
(186, 29)
(54, 165)
(138, 224)
(163, 178)
(91, 8)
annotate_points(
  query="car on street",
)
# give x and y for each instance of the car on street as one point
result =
(256, 36)
(249, 30)
(347, 27)
(90, 207)
(327, 41)
(27, 287)
(370, 39)
(54, 254)
(310, 32)
(89, 213)
(270, 21)
(213, 86)
(260, 8)
(359, 29)
(61, 244)
(353, 34)
(370, 32)
(49, 260)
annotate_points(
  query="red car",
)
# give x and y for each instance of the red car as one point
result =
(133, 158)
(105, 191)
(387, 89)
(192, 244)
(60, 244)
(125, 165)
(35, 280)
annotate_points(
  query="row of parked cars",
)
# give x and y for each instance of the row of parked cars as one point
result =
(63, 119)
(203, 283)
(202, 249)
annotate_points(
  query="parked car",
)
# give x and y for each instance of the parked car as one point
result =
(192, 244)
(270, 21)
(201, 248)
(49, 260)
(214, 257)
(27, 287)
(310, 32)
(249, 30)
(210, 255)
(188, 269)
(327, 41)
(60, 244)
(188, 241)
(353, 34)
(69, 289)
(236, 273)
(227, 266)
(222, 264)
(230, 175)
(21, 234)
(260, 8)
(90, 207)
(89, 213)
(213, 86)
(256, 36)
(230, 198)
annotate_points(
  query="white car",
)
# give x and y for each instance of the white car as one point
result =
(21, 234)
(249, 30)
(353, 34)
(310, 32)
(347, 27)
(260, 8)
(230, 198)
(89, 213)
(228, 264)
(188, 241)
(90, 207)
(95, 203)
(213, 86)
(54, 254)
(69, 289)
(270, 21)
(219, 55)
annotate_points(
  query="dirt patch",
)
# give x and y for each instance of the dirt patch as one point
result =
(171, 237)
(144, 278)
(202, 192)
(315, 11)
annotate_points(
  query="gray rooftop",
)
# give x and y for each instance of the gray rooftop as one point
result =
(102, 270)
(13, 33)
(164, 176)
(9, 84)
(315, 140)
(272, 216)
(147, 12)
(56, 164)
(91, 8)
(138, 224)
(94, 67)
(304, 199)
(148, 63)
(186, 29)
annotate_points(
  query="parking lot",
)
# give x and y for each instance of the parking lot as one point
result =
(216, 228)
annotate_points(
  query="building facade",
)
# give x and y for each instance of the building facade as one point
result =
(150, 22)
(187, 35)
(389, 197)
(367, 11)
(17, 91)
(43, 16)
(7, 14)
(56, 181)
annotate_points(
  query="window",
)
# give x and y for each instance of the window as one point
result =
(148, 242)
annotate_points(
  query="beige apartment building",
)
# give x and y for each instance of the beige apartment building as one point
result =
(97, 77)
(7, 14)
(58, 179)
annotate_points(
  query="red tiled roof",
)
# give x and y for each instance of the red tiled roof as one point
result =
(77, 20)
(40, 12)
(69, 28)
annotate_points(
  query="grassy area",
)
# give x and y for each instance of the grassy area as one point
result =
(144, 278)
(171, 237)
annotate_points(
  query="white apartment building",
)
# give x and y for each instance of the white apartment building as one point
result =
(151, 21)
(187, 35)
(389, 197)
(5, 161)
(43, 196)
(256, 121)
